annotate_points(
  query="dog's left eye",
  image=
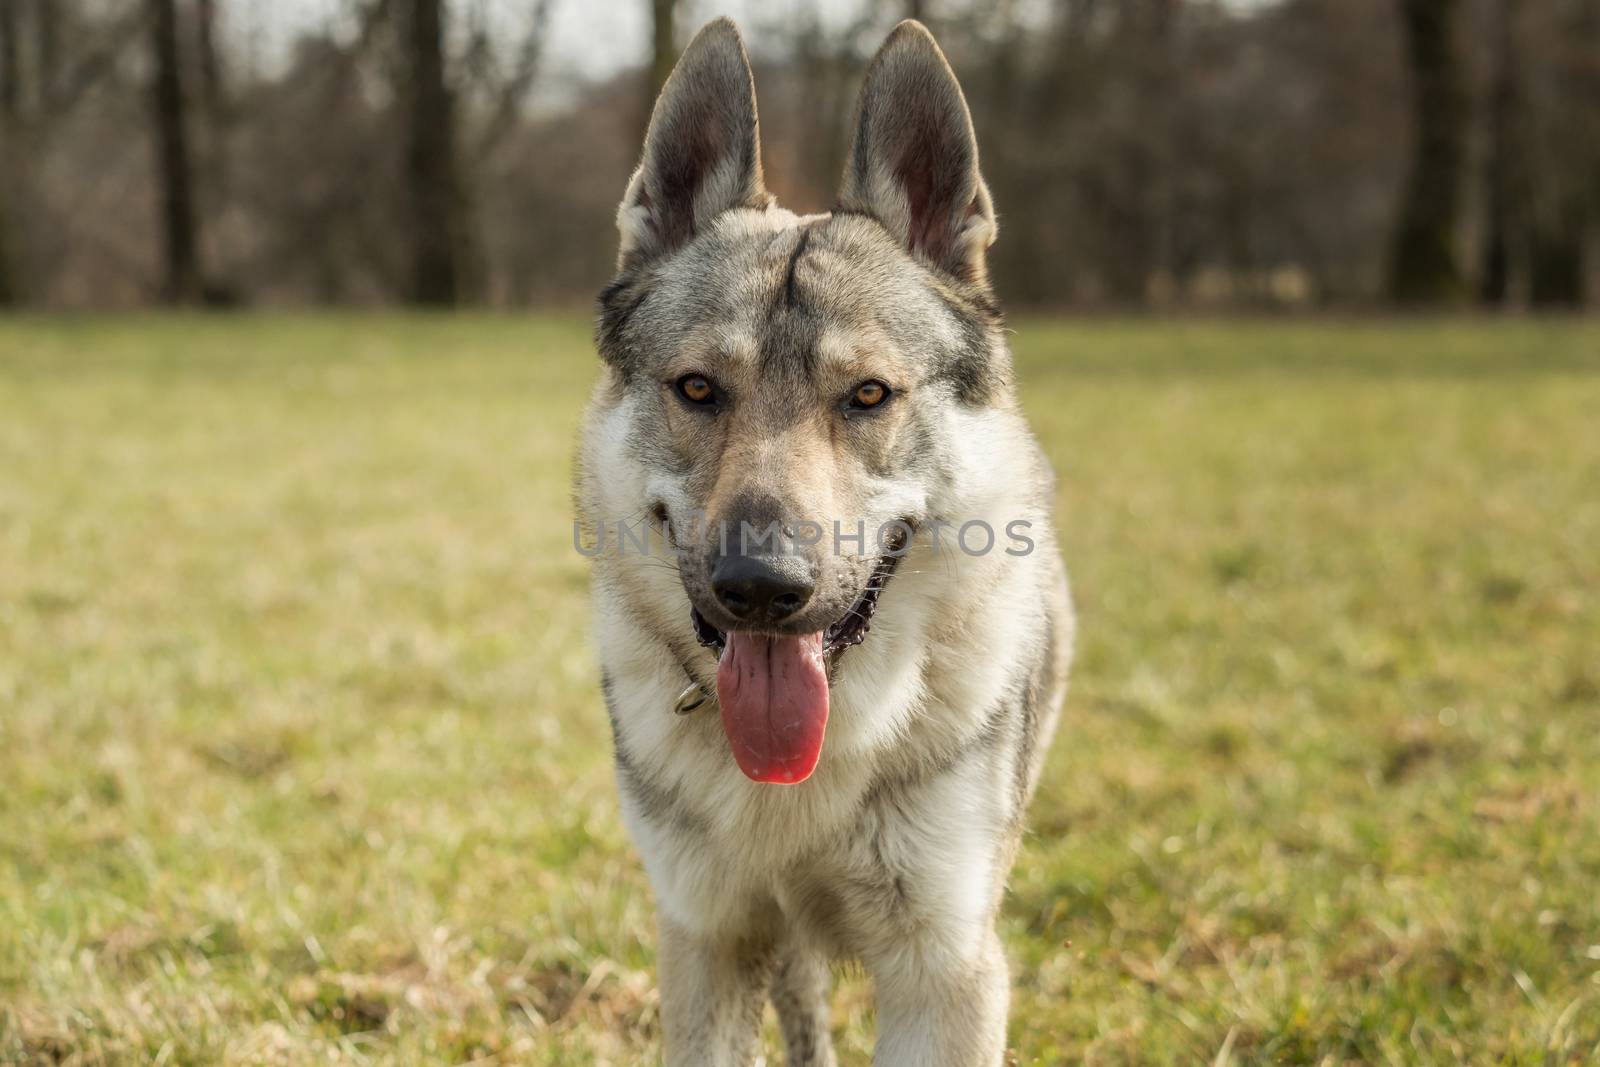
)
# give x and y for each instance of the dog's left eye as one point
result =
(697, 389)
(869, 394)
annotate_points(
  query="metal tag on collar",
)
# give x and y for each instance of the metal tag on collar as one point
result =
(690, 699)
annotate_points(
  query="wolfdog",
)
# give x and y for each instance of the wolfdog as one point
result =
(836, 389)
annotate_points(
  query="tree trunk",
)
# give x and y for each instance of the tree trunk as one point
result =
(1555, 261)
(10, 108)
(9, 294)
(10, 58)
(179, 220)
(430, 160)
(46, 20)
(210, 63)
(1564, 197)
(663, 45)
(1499, 224)
(1139, 189)
(1589, 132)
(215, 172)
(1423, 265)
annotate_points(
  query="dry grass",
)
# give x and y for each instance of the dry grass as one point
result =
(302, 757)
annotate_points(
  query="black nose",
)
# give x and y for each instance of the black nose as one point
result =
(759, 589)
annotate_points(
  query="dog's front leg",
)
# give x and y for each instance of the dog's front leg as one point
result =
(712, 994)
(941, 1008)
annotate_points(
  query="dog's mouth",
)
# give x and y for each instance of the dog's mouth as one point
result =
(774, 690)
(848, 630)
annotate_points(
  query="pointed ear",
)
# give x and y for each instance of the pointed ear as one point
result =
(913, 162)
(702, 154)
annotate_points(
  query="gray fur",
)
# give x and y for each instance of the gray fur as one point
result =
(702, 154)
(895, 852)
(800, 995)
(913, 162)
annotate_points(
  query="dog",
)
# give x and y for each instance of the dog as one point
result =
(834, 668)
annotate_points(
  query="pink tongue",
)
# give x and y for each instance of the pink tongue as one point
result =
(774, 697)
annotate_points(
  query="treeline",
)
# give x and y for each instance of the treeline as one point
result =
(1141, 152)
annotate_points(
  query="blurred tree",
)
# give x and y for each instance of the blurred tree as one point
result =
(325, 212)
(44, 75)
(1140, 178)
(1501, 155)
(663, 46)
(10, 112)
(1562, 160)
(809, 140)
(495, 79)
(507, 95)
(8, 294)
(180, 223)
(10, 57)
(216, 179)
(1161, 151)
(213, 90)
(1423, 264)
(434, 196)
(210, 58)
(47, 28)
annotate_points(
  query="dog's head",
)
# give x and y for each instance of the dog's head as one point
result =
(793, 379)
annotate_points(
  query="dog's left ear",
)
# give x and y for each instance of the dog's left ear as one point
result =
(702, 154)
(913, 162)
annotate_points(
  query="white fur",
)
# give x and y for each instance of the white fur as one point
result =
(896, 849)
(936, 658)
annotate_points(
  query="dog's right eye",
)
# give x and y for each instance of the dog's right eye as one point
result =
(697, 389)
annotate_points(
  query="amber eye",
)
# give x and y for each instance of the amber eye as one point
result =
(869, 395)
(696, 389)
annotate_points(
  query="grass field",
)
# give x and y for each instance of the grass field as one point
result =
(302, 758)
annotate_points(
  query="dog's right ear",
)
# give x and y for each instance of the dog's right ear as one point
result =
(702, 154)
(913, 162)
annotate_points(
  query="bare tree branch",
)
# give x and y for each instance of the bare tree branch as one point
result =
(10, 61)
(515, 90)
(371, 16)
(94, 66)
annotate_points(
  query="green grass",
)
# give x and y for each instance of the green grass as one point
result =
(302, 759)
